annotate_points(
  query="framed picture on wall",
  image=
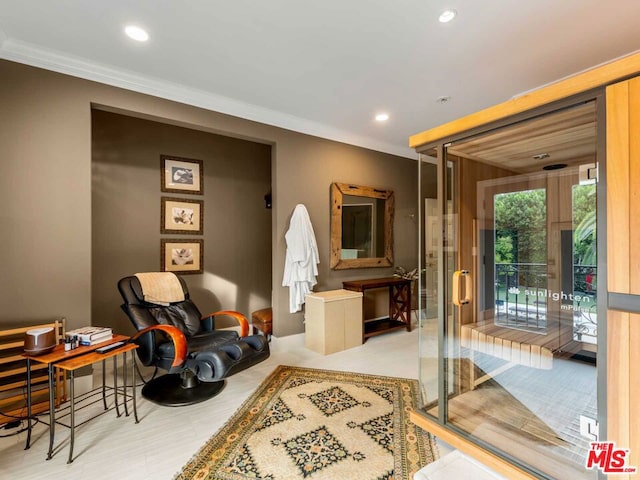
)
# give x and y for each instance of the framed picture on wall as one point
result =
(181, 215)
(182, 256)
(181, 175)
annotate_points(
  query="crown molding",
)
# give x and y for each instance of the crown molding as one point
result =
(22, 52)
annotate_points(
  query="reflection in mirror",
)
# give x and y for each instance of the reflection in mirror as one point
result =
(361, 227)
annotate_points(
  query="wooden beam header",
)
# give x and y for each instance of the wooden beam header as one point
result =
(596, 77)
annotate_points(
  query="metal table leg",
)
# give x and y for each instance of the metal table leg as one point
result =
(52, 409)
(115, 384)
(124, 379)
(133, 385)
(73, 414)
(28, 444)
(104, 381)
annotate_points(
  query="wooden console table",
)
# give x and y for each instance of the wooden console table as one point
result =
(399, 304)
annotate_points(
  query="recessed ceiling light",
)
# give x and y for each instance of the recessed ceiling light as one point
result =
(443, 99)
(447, 16)
(382, 117)
(136, 33)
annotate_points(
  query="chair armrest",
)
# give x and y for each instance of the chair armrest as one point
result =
(241, 319)
(176, 336)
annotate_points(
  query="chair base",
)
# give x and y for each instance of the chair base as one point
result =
(168, 390)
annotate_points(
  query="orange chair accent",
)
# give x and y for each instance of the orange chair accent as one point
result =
(177, 337)
(242, 320)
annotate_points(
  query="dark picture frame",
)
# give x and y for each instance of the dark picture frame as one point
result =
(181, 216)
(182, 256)
(181, 175)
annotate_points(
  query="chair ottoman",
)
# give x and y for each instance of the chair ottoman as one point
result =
(261, 320)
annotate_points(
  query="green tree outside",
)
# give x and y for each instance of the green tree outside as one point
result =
(521, 229)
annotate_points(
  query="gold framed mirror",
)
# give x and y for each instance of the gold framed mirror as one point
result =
(361, 226)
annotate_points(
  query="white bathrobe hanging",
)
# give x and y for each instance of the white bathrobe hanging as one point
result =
(301, 259)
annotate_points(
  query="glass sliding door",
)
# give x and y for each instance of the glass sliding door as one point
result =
(429, 306)
(509, 343)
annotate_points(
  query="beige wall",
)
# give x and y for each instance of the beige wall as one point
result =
(45, 187)
(126, 214)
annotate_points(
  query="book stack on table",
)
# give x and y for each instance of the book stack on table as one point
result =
(91, 335)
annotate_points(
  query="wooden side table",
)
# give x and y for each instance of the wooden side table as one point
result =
(71, 361)
(399, 304)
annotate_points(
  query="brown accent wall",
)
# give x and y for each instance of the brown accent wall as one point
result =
(126, 214)
(46, 191)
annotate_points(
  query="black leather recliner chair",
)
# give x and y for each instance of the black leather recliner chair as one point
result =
(177, 338)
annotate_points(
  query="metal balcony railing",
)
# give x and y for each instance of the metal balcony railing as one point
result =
(521, 298)
(520, 293)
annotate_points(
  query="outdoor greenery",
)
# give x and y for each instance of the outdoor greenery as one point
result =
(521, 230)
(584, 224)
(521, 233)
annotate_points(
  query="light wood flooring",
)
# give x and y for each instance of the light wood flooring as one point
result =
(166, 438)
(532, 414)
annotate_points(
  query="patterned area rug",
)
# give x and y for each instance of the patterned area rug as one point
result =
(317, 424)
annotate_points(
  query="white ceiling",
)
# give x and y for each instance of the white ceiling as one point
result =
(325, 68)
